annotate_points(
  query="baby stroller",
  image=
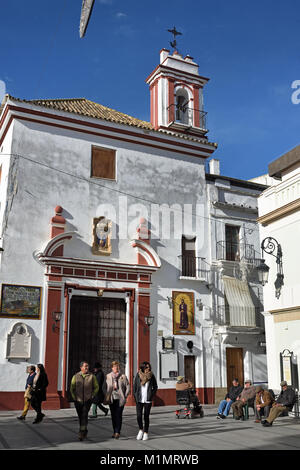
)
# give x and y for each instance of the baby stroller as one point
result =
(186, 398)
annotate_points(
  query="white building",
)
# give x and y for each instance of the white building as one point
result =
(107, 221)
(279, 216)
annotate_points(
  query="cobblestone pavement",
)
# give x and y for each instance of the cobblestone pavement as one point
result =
(59, 429)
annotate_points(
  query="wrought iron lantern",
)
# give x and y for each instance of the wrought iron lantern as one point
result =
(269, 246)
(149, 320)
(56, 316)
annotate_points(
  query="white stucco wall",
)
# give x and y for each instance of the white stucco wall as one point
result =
(286, 230)
(158, 176)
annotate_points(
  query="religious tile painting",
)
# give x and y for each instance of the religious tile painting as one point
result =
(102, 236)
(183, 313)
(19, 301)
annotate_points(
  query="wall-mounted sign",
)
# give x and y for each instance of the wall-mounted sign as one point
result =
(183, 313)
(168, 343)
(168, 365)
(20, 301)
(289, 368)
(19, 342)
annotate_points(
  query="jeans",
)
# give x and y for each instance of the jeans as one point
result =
(139, 415)
(116, 412)
(82, 412)
(224, 407)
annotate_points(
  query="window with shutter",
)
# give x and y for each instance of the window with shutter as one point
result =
(103, 163)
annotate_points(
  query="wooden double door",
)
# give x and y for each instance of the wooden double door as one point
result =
(97, 333)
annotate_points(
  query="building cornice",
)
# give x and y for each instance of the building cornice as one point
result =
(279, 213)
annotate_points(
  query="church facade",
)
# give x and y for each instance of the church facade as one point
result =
(119, 245)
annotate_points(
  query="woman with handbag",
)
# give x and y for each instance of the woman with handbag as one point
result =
(40, 383)
(117, 389)
(144, 389)
(28, 392)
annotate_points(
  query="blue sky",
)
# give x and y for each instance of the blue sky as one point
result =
(250, 51)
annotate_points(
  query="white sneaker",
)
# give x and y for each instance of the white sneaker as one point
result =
(145, 437)
(139, 437)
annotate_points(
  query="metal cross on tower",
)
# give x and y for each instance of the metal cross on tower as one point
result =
(175, 33)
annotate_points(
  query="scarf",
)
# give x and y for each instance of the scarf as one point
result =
(145, 376)
(115, 378)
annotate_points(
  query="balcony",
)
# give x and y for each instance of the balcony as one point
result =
(231, 251)
(225, 318)
(193, 268)
(186, 116)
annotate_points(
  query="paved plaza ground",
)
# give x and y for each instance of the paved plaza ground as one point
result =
(59, 429)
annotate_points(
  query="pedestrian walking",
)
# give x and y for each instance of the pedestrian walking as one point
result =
(116, 390)
(39, 386)
(28, 392)
(144, 390)
(98, 399)
(84, 387)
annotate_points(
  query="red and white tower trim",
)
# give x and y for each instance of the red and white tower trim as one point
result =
(176, 95)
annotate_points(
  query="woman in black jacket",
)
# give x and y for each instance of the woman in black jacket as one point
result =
(144, 389)
(40, 383)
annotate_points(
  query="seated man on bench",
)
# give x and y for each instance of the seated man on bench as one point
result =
(284, 403)
(245, 397)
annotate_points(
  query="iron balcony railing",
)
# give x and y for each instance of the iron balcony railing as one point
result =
(234, 251)
(223, 316)
(186, 115)
(195, 267)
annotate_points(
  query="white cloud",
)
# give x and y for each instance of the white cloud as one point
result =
(121, 15)
(2, 90)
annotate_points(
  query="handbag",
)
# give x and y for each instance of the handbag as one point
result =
(107, 398)
(28, 393)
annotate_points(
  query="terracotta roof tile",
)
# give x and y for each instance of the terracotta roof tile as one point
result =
(88, 108)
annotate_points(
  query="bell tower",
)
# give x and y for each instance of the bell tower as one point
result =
(176, 93)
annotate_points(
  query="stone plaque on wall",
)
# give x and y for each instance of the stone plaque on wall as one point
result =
(19, 342)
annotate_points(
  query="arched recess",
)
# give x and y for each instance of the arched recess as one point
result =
(183, 110)
(147, 256)
(54, 247)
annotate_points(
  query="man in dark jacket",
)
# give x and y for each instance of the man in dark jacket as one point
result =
(231, 396)
(284, 403)
(98, 399)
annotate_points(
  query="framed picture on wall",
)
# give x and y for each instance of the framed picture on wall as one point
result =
(19, 301)
(183, 313)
